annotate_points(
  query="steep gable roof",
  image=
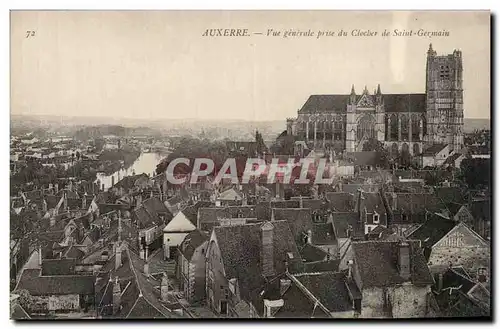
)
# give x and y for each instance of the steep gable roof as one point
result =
(377, 264)
(240, 248)
(340, 201)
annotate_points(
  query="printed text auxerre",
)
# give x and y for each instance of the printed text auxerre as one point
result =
(225, 33)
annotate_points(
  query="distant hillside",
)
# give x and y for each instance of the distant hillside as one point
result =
(472, 124)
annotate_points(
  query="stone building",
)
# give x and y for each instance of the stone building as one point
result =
(403, 122)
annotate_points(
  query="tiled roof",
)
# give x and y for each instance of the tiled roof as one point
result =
(451, 159)
(57, 284)
(433, 149)
(58, 266)
(299, 219)
(191, 212)
(415, 203)
(323, 234)
(329, 288)
(341, 201)
(433, 230)
(311, 253)
(325, 103)
(342, 221)
(338, 103)
(405, 103)
(144, 218)
(192, 241)
(377, 263)
(240, 248)
(450, 194)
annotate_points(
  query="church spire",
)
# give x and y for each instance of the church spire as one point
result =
(352, 98)
(378, 89)
(431, 52)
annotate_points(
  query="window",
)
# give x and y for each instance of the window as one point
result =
(481, 274)
(376, 219)
(223, 307)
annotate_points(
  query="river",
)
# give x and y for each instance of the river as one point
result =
(145, 163)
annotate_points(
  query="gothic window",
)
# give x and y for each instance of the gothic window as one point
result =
(444, 72)
(338, 130)
(404, 127)
(424, 125)
(415, 127)
(394, 149)
(366, 127)
(416, 149)
(394, 127)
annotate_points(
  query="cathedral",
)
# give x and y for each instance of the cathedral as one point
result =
(402, 122)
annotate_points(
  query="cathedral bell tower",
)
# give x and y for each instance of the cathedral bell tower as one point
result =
(444, 91)
(351, 126)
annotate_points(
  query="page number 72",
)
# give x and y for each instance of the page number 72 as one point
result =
(30, 34)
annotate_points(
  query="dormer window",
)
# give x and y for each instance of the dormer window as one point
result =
(376, 218)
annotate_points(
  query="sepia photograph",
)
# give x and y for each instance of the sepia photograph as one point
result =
(218, 164)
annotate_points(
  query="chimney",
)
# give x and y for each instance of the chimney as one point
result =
(164, 288)
(102, 187)
(116, 296)
(146, 268)
(166, 249)
(56, 187)
(141, 252)
(309, 237)
(40, 256)
(267, 249)
(112, 181)
(65, 201)
(404, 260)
(350, 265)
(440, 282)
(118, 256)
(84, 202)
(394, 201)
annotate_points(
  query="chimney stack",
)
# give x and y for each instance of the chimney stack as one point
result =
(56, 188)
(404, 260)
(350, 265)
(116, 296)
(164, 288)
(440, 282)
(267, 249)
(40, 256)
(118, 256)
(309, 237)
(394, 201)
(112, 181)
(65, 201)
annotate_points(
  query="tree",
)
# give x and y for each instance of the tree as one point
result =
(373, 144)
(476, 172)
(25, 299)
(192, 148)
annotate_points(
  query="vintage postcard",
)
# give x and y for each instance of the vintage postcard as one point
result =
(250, 164)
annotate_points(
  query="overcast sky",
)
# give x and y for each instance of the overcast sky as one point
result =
(157, 64)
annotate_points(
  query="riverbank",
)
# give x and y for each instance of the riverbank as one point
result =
(145, 163)
(115, 160)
